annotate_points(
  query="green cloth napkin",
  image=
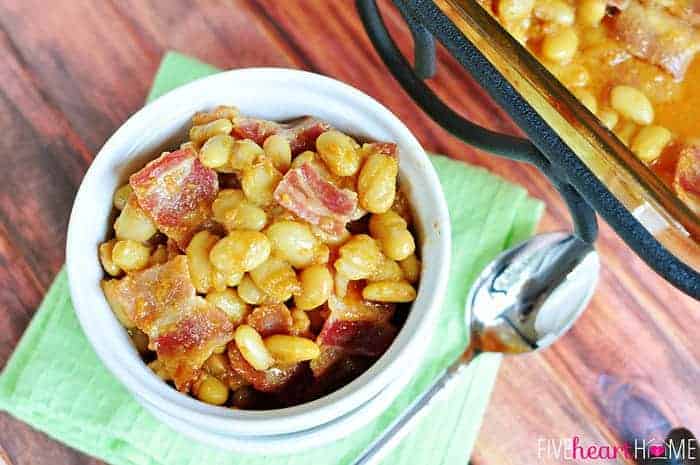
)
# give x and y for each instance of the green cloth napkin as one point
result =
(55, 382)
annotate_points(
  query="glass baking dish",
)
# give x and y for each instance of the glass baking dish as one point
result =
(642, 209)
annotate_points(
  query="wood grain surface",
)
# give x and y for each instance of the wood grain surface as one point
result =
(71, 71)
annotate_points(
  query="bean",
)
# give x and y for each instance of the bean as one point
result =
(561, 45)
(240, 251)
(291, 349)
(632, 104)
(650, 141)
(130, 255)
(276, 278)
(513, 10)
(133, 223)
(244, 153)
(389, 291)
(108, 264)
(376, 185)
(259, 182)
(411, 267)
(339, 152)
(221, 111)
(360, 258)
(216, 151)
(293, 241)
(591, 12)
(121, 196)
(212, 391)
(200, 133)
(555, 11)
(199, 264)
(230, 303)
(316, 287)
(253, 348)
(280, 152)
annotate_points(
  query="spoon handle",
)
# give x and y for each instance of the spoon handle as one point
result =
(404, 423)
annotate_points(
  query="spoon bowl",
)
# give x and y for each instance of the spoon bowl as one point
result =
(532, 294)
(524, 300)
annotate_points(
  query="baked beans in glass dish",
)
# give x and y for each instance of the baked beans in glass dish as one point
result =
(262, 264)
(634, 64)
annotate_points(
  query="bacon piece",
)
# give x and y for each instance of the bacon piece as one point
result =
(655, 36)
(306, 194)
(187, 344)
(183, 328)
(177, 191)
(687, 179)
(385, 148)
(328, 358)
(357, 326)
(154, 297)
(688, 10)
(301, 133)
(271, 380)
(359, 337)
(271, 319)
(254, 129)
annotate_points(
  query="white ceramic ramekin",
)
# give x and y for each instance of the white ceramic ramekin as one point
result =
(276, 94)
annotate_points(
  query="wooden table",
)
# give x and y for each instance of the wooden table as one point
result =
(72, 71)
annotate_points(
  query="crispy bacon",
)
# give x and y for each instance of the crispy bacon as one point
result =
(254, 129)
(271, 319)
(385, 148)
(357, 326)
(187, 344)
(654, 35)
(301, 133)
(306, 194)
(687, 179)
(177, 191)
(154, 297)
(271, 380)
(183, 328)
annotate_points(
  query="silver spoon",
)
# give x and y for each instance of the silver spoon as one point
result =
(524, 300)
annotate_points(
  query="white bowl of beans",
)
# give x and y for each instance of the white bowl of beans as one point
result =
(247, 273)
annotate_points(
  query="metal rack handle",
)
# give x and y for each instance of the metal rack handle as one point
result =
(511, 147)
